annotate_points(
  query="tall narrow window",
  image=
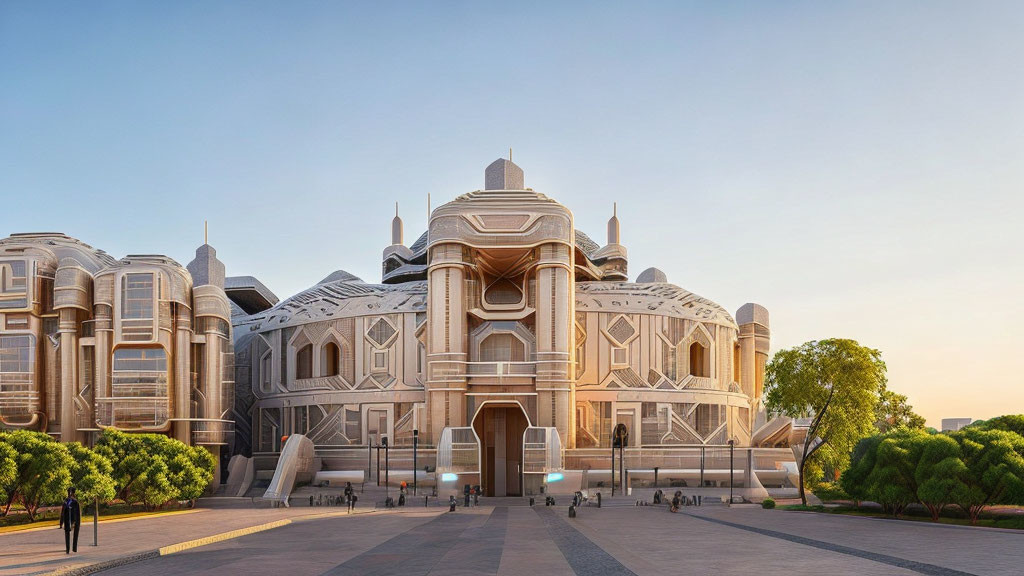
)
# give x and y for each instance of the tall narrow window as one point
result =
(330, 360)
(697, 353)
(736, 368)
(304, 362)
(137, 296)
(266, 372)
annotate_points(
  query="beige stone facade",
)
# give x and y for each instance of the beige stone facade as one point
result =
(512, 344)
(89, 342)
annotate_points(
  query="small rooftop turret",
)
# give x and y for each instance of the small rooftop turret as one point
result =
(502, 174)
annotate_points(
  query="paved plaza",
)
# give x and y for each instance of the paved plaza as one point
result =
(514, 540)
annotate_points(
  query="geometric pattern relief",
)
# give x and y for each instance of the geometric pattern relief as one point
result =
(380, 333)
(621, 330)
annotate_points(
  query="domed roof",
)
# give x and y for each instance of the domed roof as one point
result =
(651, 275)
(340, 276)
(346, 297)
(660, 298)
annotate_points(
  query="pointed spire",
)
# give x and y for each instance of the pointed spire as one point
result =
(613, 225)
(396, 228)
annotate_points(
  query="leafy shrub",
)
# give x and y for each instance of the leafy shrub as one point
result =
(768, 503)
(830, 492)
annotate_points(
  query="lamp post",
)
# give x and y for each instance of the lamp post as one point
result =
(387, 466)
(732, 446)
(613, 467)
(415, 445)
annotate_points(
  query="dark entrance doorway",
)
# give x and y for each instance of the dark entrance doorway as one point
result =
(500, 428)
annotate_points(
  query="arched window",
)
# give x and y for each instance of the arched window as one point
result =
(697, 360)
(330, 360)
(304, 362)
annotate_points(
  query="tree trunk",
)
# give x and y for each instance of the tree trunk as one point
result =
(29, 508)
(803, 494)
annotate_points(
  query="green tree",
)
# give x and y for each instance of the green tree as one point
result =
(854, 479)
(8, 469)
(43, 470)
(939, 473)
(154, 487)
(993, 470)
(128, 457)
(91, 474)
(893, 411)
(152, 468)
(190, 470)
(893, 481)
(834, 382)
(1009, 423)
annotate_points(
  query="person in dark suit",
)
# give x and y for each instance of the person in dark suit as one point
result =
(70, 517)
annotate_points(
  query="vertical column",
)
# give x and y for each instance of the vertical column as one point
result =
(182, 373)
(104, 334)
(555, 336)
(755, 341)
(68, 329)
(446, 353)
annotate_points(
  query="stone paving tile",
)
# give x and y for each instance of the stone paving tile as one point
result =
(415, 552)
(919, 567)
(523, 541)
(585, 557)
(301, 549)
(970, 550)
(41, 551)
(478, 551)
(679, 544)
(529, 551)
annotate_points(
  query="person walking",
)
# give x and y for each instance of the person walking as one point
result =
(70, 517)
(348, 492)
(352, 502)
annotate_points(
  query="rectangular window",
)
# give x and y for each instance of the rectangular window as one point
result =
(380, 360)
(17, 355)
(19, 322)
(13, 277)
(140, 360)
(137, 297)
(13, 283)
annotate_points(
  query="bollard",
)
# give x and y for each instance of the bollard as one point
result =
(426, 501)
(572, 511)
(531, 501)
(598, 499)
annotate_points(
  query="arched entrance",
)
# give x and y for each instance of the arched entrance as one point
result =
(500, 427)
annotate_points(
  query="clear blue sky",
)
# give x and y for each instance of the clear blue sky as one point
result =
(855, 167)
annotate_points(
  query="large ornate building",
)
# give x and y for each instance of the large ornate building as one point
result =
(511, 342)
(89, 342)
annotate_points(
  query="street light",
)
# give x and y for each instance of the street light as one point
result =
(732, 445)
(415, 444)
(387, 465)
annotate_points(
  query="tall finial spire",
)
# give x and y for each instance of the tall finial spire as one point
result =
(396, 228)
(206, 231)
(613, 225)
(510, 154)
